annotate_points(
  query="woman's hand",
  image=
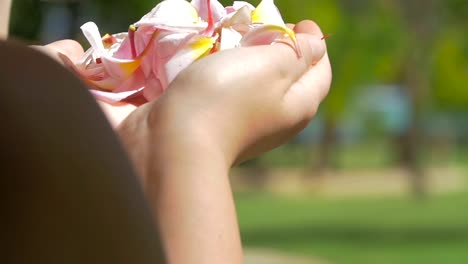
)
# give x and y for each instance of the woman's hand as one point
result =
(242, 101)
(70, 48)
(222, 109)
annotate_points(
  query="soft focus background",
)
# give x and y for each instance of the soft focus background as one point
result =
(380, 176)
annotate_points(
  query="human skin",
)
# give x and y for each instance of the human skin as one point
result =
(223, 109)
(5, 6)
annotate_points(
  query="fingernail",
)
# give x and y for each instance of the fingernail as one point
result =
(318, 48)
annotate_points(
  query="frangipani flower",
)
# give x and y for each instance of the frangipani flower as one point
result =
(174, 34)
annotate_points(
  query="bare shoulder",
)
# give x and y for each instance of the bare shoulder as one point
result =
(4, 17)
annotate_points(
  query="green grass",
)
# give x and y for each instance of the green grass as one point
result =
(372, 154)
(359, 230)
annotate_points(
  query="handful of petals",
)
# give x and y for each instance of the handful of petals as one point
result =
(147, 58)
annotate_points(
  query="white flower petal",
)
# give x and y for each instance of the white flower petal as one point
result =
(230, 38)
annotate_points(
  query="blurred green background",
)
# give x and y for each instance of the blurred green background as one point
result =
(380, 175)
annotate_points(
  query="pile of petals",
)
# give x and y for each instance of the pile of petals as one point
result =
(144, 60)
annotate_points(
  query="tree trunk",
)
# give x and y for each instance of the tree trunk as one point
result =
(328, 142)
(419, 16)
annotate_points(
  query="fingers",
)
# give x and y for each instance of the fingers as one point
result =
(308, 27)
(286, 61)
(302, 100)
(313, 48)
(70, 48)
(311, 28)
(316, 47)
(278, 63)
(275, 67)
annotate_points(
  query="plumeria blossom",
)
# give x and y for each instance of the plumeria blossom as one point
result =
(144, 60)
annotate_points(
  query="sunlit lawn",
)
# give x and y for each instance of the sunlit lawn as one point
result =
(359, 230)
(372, 154)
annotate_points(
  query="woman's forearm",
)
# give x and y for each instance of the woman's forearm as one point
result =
(186, 181)
(192, 199)
(4, 17)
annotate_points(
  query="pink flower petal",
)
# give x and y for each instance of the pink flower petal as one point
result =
(174, 15)
(135, 82)
(124, 50)
(217, 9)
(168, 46)
(169, 38)
(197, 47)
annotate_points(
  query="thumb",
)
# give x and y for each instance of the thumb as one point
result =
(310, 28)
(313, 47)
(285, 60)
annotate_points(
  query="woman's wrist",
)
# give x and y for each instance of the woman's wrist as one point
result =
(161, 139)
(192, 201)
(194, 133)
(185, 177)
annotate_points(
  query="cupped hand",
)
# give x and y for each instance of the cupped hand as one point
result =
(237, 103)
(241, 102)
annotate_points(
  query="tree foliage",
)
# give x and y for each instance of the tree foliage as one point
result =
(369, 42)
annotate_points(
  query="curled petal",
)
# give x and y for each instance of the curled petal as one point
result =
(118, 90)
(91, 32)
(121, 68)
